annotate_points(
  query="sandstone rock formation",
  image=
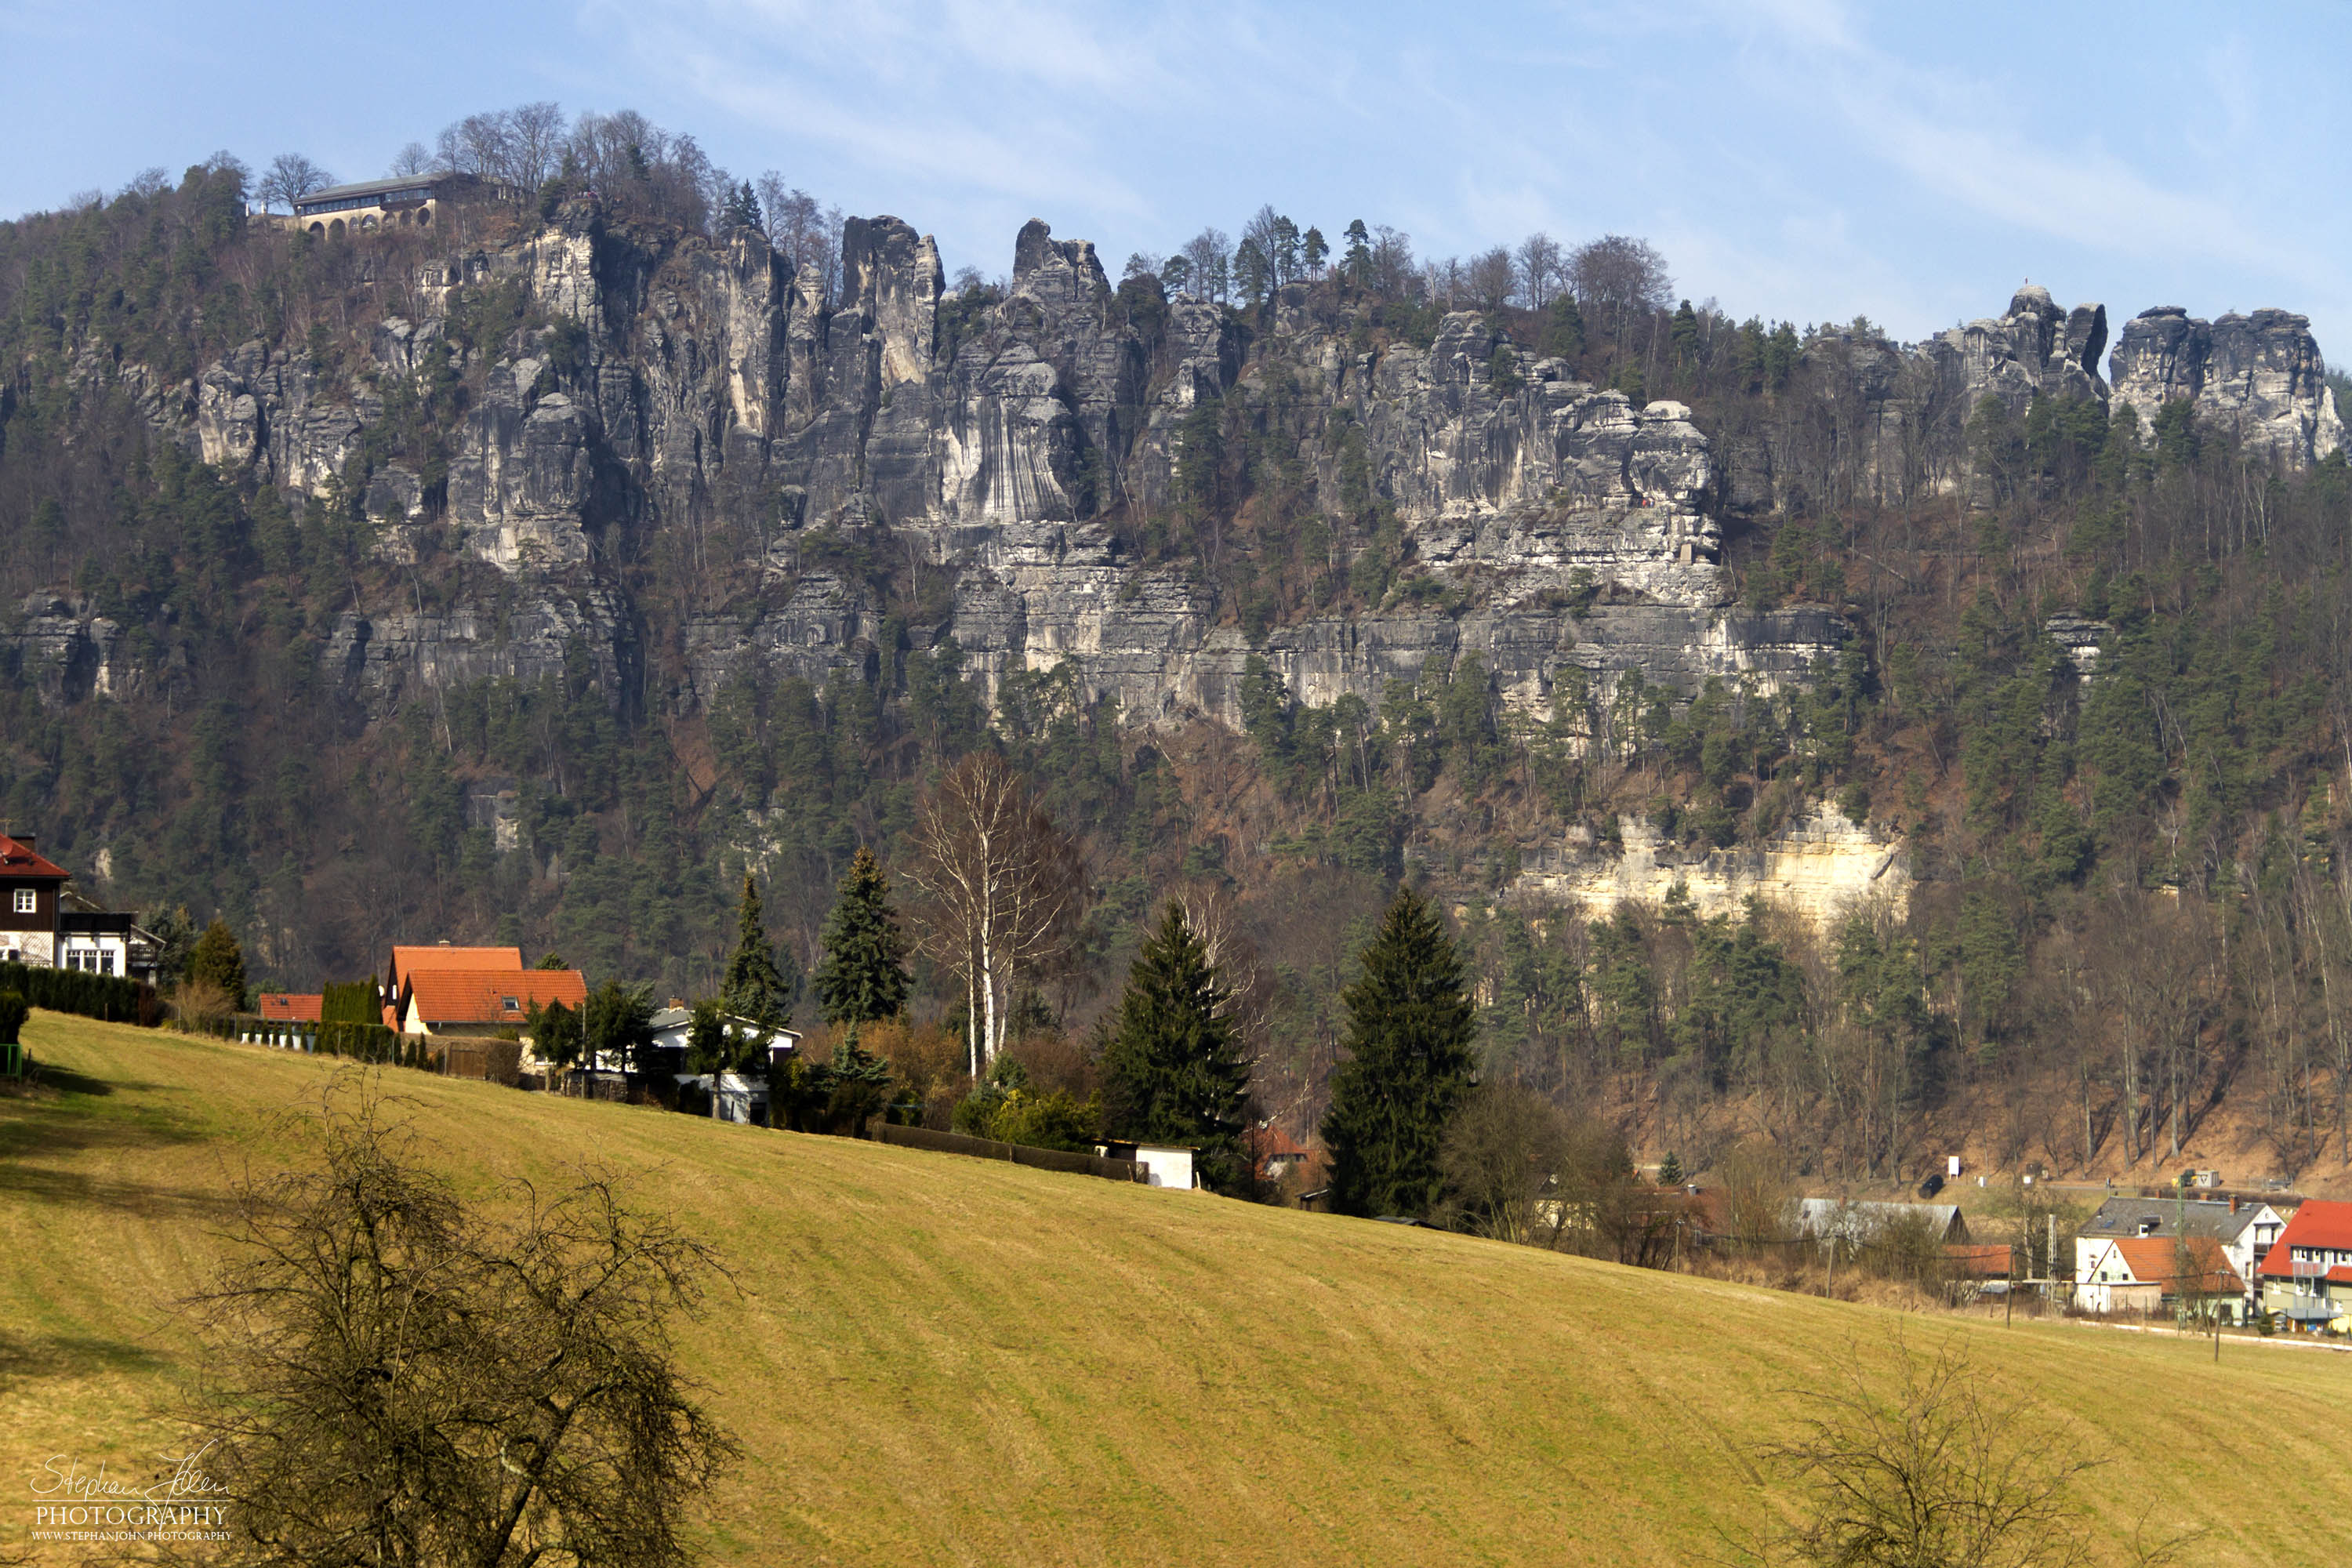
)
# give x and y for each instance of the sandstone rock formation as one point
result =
(1889, 421)
(1823, 868)
(689, 385)
(2259, 376)
(694, 389)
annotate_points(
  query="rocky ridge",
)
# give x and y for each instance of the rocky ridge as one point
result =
(699, 387)
(1898, 413)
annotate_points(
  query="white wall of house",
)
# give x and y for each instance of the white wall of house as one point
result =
(2106, 1283)
(103, 955)
(1165, 1166)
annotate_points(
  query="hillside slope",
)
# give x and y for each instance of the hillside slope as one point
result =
(935, 1360)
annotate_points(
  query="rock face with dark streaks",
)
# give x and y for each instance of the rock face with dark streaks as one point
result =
(1896, 417)
(695, 396)
(2261, 377)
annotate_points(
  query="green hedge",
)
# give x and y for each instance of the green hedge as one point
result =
(113, 997)
(352, 1003)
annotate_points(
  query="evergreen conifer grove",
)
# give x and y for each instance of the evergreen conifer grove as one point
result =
(1411, 1050)
(1172, 1070)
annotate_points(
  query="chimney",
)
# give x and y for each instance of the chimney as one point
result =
(2234, 1203)
(24, 838)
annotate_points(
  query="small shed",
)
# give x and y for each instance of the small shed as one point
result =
(1164, 1164)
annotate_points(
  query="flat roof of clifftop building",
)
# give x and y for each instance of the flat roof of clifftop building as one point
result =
(392, 192)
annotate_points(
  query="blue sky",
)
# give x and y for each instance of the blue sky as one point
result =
(1803, 159)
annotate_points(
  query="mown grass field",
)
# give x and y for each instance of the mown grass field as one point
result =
(935, 1360)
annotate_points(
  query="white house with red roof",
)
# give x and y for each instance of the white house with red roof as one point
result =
(2307, 1276)
(47, 924)
(480, 991)
(2187, 1274)
(31, 892)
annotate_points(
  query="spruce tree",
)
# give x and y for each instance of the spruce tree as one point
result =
(218, 959)
(1172, 1070)
(862, 978)
(758, 987)
(1410, 1034)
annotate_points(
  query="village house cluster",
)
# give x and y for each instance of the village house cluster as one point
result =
(2210, 1258)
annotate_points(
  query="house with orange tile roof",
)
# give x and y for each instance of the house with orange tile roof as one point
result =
(441, 955)
(481, 1002)
(2146, 1276)
(2307, 1276)
(2247, 1229)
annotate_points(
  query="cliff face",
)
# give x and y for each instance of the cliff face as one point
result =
(2259, 376)
(694, 395)
(694, 388)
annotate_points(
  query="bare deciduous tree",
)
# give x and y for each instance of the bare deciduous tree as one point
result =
(290, 177)
(1935, 1472)
(1501, 1154)
(1757, 1195)
(413, 159)
(1210, 254)
(1618, 279)
(1540, 264)
(403, 1379)
(1490, 279)
(1002, 891)
(535, 136)
(802, 232)
(1249, 990)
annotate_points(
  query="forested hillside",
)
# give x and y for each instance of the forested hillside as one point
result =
(454, 585)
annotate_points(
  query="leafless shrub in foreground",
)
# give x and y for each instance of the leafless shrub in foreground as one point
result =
(401, 1379)
(1938, 1471)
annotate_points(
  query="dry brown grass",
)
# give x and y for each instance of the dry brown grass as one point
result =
(944, 1361)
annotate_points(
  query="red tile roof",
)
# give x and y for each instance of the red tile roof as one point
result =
(286, 1007)
(17, 859)
(441, 957)
(2154, 1261)
(1271, 1142)
(474, 996)
(2317, 1224)
(1974, 1261)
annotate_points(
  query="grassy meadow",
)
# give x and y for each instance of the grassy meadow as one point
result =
(936, 1359)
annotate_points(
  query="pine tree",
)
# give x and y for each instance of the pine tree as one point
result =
(217, 959)
(740, 210)
(1685, 334)
(863, 976)
(1564, 329)
(758, 987)
(1410, 1034)
(1172, 1070)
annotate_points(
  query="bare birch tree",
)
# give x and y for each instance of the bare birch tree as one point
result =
(1002, 891)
